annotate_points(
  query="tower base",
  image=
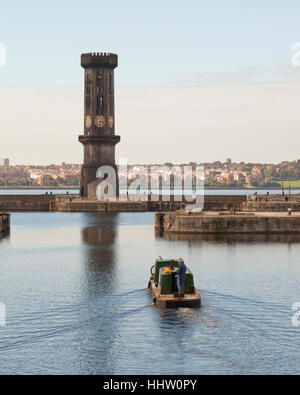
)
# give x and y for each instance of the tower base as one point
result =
(90, 183)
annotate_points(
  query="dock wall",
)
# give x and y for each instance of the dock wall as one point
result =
(31, 203)
(78, 205)
(274, 203)
(211, 203)
(271, 206)
(224, 202)
(26, 202)
(212, 224)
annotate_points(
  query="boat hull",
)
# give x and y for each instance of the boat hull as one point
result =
(170, 301)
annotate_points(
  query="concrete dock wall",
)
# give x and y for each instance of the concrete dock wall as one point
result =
(274, 203)
(271, 206)
(216, 203)
(26, 202)
(214, 223)
(78, 205)
(64, 203)
(211, 203)
(224, 202)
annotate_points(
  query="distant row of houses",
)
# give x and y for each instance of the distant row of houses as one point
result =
(215, 172)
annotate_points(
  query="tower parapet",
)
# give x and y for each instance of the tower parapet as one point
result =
(99, 59)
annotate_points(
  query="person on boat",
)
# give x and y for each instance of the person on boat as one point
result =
(172, 264)
(173, 274)
(181, 276)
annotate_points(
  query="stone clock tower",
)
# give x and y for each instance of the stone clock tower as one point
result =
(99, 137)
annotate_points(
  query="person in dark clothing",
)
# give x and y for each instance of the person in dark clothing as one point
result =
(181, 276)
(172, 266)
(173, 274)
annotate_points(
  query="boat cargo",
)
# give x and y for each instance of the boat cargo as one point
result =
(163, 286)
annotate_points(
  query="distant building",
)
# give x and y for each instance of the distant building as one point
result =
(225, 175)
(256, 170)
(4, 162)
(239, 177)
(228, 163)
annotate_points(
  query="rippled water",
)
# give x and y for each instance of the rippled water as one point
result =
(74, 289)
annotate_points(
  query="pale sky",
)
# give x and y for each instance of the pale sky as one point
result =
(197, 80)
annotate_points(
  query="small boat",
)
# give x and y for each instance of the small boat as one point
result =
(163, 286)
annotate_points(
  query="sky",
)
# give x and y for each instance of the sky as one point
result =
(196, 81)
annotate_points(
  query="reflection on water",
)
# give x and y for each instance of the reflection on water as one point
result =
(74, 287)
(3, 236)
(232, 238)
(100, 255)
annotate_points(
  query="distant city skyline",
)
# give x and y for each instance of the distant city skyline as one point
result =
(216, 174)
(197, 81)
(168, 163)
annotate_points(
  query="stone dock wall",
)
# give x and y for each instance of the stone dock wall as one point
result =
(71, 203)
(26, 202)
(212, 202)
(274, 203)
(227, 223)
(224, 202)
(68, 203)
(271, 206)
(31, 203)
(78, 205)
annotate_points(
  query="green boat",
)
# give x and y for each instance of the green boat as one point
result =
(163, 286)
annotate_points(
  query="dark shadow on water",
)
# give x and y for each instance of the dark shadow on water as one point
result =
(234, 238)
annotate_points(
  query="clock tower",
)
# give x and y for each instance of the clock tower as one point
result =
(99, 137)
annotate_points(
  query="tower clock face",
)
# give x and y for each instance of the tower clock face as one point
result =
(111, 121)
(100, 121)
(88, 121)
